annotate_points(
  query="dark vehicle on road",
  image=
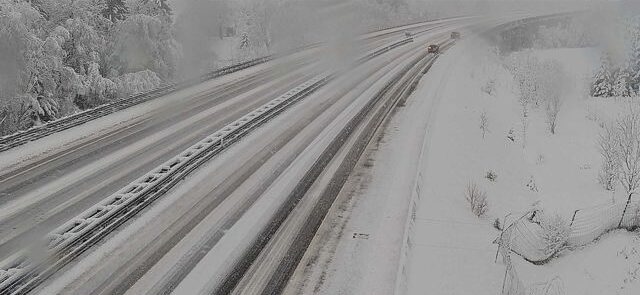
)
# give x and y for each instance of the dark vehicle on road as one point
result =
(455, 35)
(407, 34)
(433, 48)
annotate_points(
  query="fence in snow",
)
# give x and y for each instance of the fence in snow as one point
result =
(525, 237)
(512, 284)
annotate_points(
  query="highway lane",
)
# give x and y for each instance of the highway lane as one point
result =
(61, 185)
(231, 187)
(288, 143)
(94, 174)
(270, 270)
(67, 182)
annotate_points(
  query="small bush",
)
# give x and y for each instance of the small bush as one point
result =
(511, 135)
(496, 224)
(490, 87)
(484, 124)
(555, 233)
(477, 200)
(531, 185)
(491, 176)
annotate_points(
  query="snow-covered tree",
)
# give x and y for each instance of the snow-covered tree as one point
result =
(525, 68)
(44, 83)
(628, 145)
(621, 83)
(150, 7)
(244, 41)
(552, 111)
(58, 56)
(115, 10)
(134, 83)
(551, 83)
(603, 79)
(608, 147)
(633, 36)
(97, 90)
(555, 233)
(144, 40)
(257, 23)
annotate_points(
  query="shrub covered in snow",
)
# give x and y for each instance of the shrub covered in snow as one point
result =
(134, 83)
(491, 176)
(484, 123)
(555, 233)
(497, 224)
(477, 199)
(531, 185)
(489, 87)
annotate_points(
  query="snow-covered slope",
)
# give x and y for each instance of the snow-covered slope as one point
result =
(451, 249)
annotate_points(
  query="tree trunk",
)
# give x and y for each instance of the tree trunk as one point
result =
(625, 209)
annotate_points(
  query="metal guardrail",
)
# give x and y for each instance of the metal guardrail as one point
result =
(78, 235)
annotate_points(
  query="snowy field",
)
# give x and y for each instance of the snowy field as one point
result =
(451, 249)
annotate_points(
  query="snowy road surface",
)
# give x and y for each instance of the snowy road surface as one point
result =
(40, 193)
(193, 238)
(360, 251)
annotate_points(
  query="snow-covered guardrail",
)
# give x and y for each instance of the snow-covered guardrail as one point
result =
(76, 236)
(20, 138)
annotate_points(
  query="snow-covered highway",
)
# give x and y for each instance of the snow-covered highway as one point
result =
(239, 213)
(47, 191)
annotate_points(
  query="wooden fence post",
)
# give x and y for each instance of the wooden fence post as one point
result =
(504, 281)
(574, 217)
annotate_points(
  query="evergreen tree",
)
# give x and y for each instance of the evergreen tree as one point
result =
(151, 7)
(603, 80)
(621, 83)
(244, 42)
(116, 10)
(634, 55)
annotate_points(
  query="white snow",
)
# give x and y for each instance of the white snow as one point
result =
(610, 265)
(359, 248)
(451, 249)
(418, 171)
